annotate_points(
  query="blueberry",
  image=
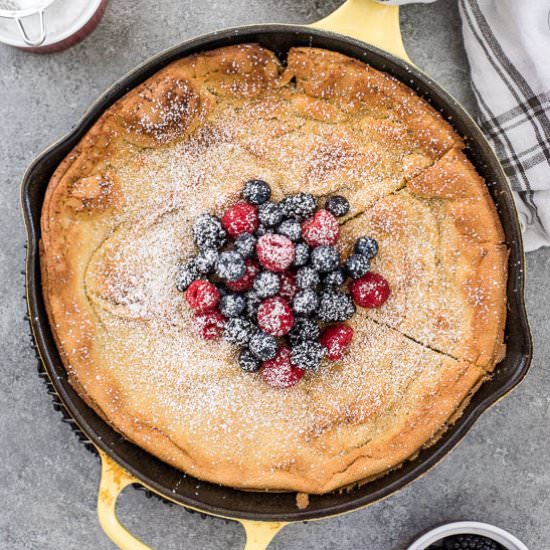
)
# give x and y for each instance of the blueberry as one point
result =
(245, 244)
(307, 277)
(304, 329)
(305, 302)
(335, 306)
(230, 266)
(208, 232)
(291, 229)
(262, 230)
(337, 205)
(300, 206)
(325, 258)
(232, 305)
(253, 302)
(270, 213)
(248, 362)
(357, 265)
(267, 284)
(187, 273)
(301, 254)
(263, 346)
(307, 355)
(256, 192)
(366, 246)
(238, 331)
(206, 260)
(334, 278)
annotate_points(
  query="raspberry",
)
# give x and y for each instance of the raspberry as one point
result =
(371, 290)
(322, 229)
(336, 339)
(202, 296)
(247, 280)
(209, 325)
(240, 218)
(280, 372)
(288, 286)
(275, 252)
(275, 316)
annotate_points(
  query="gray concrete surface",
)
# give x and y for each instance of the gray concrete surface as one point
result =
(48, 481)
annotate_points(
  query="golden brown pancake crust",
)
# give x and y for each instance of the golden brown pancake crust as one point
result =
(116, 221)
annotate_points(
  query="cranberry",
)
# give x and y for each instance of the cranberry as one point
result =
(371, 290)
(240, 218)
(275, 252)
(275, 316)
(202, 295)
(322, 229)
(336, 339)
(209, 325)
(280, 372)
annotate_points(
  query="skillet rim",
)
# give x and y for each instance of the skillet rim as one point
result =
(427, 88)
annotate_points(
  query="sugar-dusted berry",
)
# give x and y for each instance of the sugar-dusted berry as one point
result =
(209, 325)
(279, 372)
(321, 229)
(240, 218)
(371, 290)
(336, 340)
(275, 316)
(256, 192)
(275, 252)
(246, 281)
(202, 295)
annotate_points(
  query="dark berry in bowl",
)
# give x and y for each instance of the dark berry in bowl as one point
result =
(248, 361)
(366, 246)
(307, 277)
(305, 302)
(299, 206)
(325, 258)
(263, 346)
(256, 192)
(266, 284)
(307, 355)
(238, 330)
(301, 254)
(335, 307)
(245, 244)
(230, 266)
(291, 229)
(468, 542)
(357, 265)
(270, 214)
(337, 205)
(304, 329)
(232, 305)
(208, 232)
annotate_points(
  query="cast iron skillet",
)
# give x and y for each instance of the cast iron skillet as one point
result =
(263, 514)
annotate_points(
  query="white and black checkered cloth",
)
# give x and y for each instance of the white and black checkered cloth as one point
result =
(508, 47)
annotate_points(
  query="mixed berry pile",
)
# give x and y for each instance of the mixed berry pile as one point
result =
(268, 277)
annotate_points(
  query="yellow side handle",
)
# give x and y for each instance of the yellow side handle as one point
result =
(366, 20)
(113, 481)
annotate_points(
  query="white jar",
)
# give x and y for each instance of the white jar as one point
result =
(48, 25)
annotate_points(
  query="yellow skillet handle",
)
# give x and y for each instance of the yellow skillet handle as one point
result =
(260, 533)
(368, 21)
(113, 480)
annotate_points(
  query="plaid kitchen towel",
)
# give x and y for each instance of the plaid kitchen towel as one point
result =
(508, 47)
